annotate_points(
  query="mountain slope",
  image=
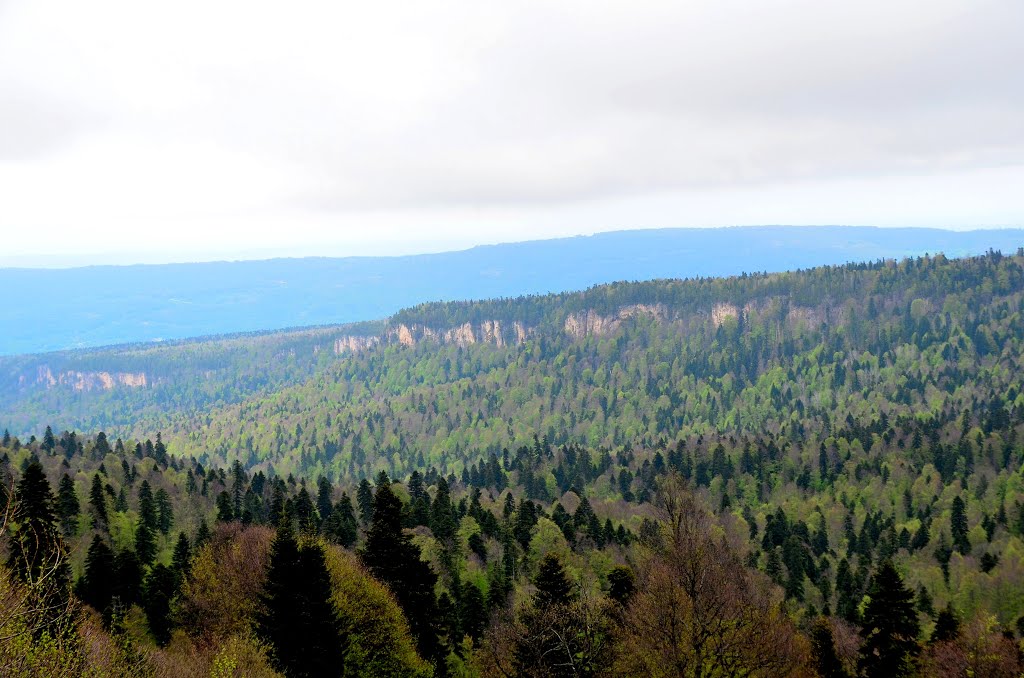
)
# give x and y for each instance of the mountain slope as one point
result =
(81, 307)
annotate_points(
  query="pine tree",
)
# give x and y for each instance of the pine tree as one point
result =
(96, 587)
(98, 503)
(823, 648)
(473, 611)
(958, 526)
(553, 585)
(164, 510)
(128, 579)
(442, 516)
(203, 535)
(181, 561)
(147, 506)
(145, 543)
(68, 507)
(36, 552)
(364, 497)
(890, 627)
(324, 501)
(157, 592)
(392, 558)
(225, 512)
(947, 625)
(300, 621)
(341, 527)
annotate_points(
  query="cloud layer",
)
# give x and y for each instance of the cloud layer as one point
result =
(206, 129)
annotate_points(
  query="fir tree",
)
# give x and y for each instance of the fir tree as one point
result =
(442, 515)
(299, 621)
(68, 507)
(145, 543)
(958, 526)
(553, 585)
(157, 591)
(181, 561)
(96, 587)
(947, 625)
(392, 558)
(36, 552)
(98, 503)
(364, 497)
(225, 511)
(890, 627)
(164, 510)
(203, 535)
(147, 506)
(823, 648)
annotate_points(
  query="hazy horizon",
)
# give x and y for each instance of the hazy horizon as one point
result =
(131, 132)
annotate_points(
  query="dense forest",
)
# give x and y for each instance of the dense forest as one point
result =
(808, 473)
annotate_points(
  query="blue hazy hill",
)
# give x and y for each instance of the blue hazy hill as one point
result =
(53, 309)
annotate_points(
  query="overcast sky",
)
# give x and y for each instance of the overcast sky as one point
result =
(138, 131)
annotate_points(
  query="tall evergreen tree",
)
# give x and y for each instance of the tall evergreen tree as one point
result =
(299, 620)
(364, 497)
(36, 553)
(958, 526)
(157, 591)
(98, 503)
(341, 527)
(553, 585)
(890, 628)
(181, 561)
(392, 558)
(164, 511)
(147, 506)
(145, 543)
(96, 587)
(68, 506)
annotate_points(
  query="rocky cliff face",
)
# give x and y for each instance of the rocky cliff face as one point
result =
(84, 381)
(488, 332)
(580, 325)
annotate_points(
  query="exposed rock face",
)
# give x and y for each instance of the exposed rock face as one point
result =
(86, 381)
(719, 312)
(350, 344)
(488, 332)
(579, 325)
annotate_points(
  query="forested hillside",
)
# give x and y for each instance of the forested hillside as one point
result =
(814, 472)
(59, 309)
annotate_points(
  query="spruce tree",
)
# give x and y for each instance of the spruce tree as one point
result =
(36, 552)
(98, 503)
(203, 535)
(442, 516)
(225, 512)
(958, 526)
(128, 579)
(68, 506)
(157, 591)
(947, 625)
(341, 527)
(164, 511)
(96, 588)
(364, 497)
(392, 558)
(299, 620)
(145, 543)
(890, 628)
(823, 649)
(181, 561)
(553, 585)
(147, 506)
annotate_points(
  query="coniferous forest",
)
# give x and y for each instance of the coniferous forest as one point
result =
(813, 473)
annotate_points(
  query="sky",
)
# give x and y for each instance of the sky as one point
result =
(183, 131)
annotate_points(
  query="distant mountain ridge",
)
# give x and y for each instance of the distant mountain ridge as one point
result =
(57, 309)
